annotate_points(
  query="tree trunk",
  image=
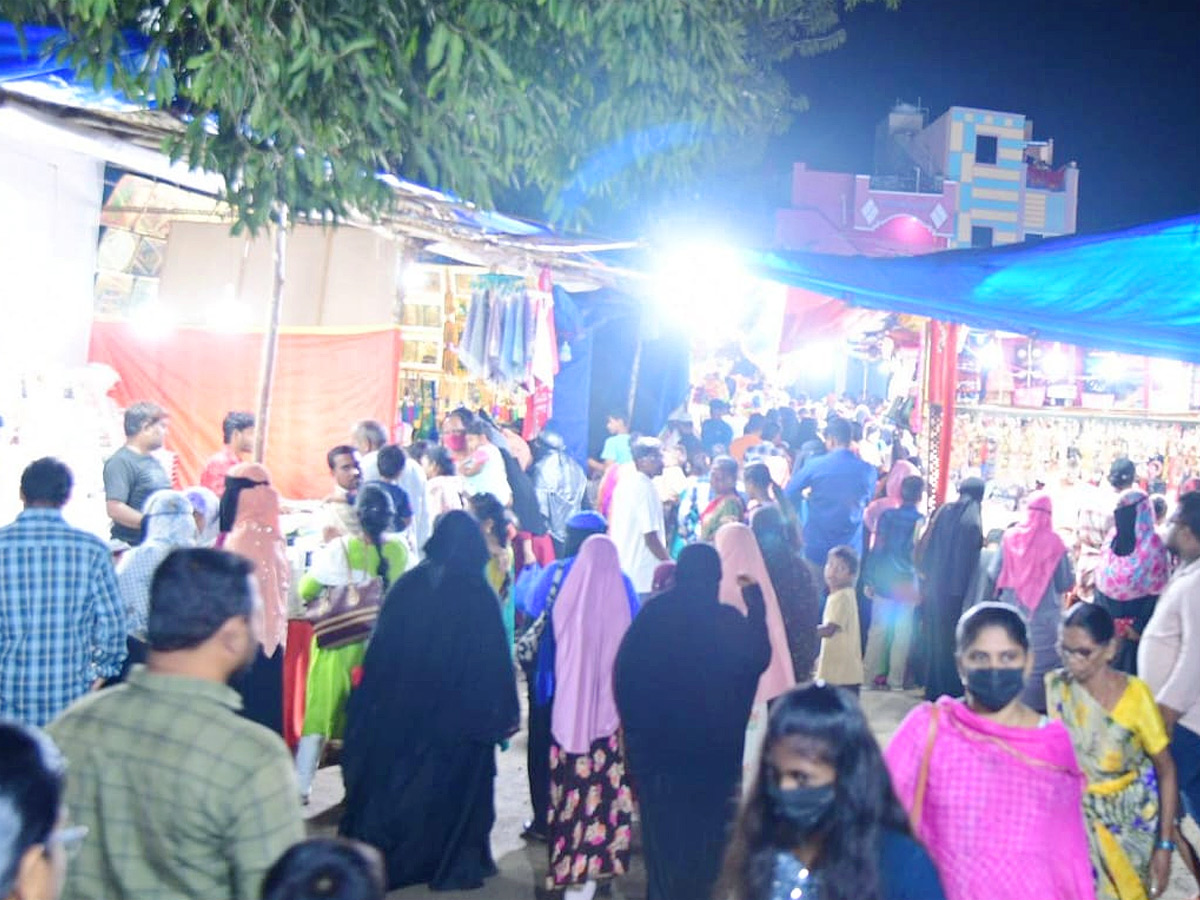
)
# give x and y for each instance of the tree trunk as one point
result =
(266, 375)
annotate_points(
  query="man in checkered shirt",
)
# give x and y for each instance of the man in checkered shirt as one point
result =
(62, 625)
(183, 798)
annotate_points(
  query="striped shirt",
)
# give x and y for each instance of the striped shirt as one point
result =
(61, 621)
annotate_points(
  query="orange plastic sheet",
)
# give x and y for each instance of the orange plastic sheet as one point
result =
(324, 382)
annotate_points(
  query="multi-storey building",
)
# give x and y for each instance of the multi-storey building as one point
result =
(971, 178)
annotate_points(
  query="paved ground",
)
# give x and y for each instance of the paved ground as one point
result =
(522, 866)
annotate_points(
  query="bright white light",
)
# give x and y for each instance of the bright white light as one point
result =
(227, 313)
(815, 360)
(1112, 368)
(821, 357)
(152, 321)
(1057, 364)
(990, 356)
(701, 285)
(415, 279)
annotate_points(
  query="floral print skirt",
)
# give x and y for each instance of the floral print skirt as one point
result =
(591, 810)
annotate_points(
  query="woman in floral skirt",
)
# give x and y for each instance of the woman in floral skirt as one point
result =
(591, 805)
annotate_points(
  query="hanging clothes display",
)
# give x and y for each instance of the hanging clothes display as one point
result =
(509, 338)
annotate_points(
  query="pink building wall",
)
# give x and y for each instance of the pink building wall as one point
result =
(838, 213)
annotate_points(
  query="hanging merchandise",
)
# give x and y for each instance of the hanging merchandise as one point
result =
(509, 338)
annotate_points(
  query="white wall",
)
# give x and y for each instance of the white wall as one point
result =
(50, 201)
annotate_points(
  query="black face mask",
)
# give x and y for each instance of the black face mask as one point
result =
(802, 808)
(994, 689)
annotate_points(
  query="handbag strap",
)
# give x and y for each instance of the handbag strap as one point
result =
(923, 774)
(555, 584)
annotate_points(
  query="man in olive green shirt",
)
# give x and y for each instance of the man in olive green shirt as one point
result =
(183, 798)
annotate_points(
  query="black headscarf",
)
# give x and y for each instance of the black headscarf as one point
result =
(698, 574)
(457, 541)
(1125, 539)
(949, 551)
(229, 499)
(972, 489)
(438, 668)
(689, 665)
(795, 585)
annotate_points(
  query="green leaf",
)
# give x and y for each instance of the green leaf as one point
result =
(436, 49)
(454, 55)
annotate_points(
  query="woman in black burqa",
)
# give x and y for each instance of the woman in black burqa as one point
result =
(438, 693)
(947, 558)
(685, 681)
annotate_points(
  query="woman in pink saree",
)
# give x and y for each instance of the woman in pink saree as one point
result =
(992, 787)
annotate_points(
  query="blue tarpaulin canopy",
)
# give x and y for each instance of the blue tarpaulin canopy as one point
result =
(1135, 291)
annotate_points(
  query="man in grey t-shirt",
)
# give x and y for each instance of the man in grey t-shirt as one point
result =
(132, 474)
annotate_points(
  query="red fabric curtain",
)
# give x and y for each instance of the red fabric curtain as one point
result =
(324, 382)
(810, 316)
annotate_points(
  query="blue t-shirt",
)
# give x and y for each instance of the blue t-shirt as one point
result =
(617, 449)
(841, 484)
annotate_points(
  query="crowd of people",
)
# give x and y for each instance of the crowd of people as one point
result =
(694, 616)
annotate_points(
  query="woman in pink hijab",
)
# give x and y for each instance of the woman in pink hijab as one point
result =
(591, 804)
(741, 558)
(891, 499)
(1032, 572)
(250, 515)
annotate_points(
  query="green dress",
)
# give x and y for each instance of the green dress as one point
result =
(330, 671)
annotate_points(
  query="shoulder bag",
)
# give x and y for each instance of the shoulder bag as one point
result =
(918, 806)
(531, 638)
(346, 614)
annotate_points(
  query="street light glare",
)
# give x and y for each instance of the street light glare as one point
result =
(701, 281)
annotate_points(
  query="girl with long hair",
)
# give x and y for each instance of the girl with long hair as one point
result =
(822, 819)
(349, 560)
(761, 490)
(796, 585)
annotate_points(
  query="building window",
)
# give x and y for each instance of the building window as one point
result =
(981, 236)
(986, 146)
(1032, 237)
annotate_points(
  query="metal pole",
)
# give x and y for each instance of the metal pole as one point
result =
(633, 379)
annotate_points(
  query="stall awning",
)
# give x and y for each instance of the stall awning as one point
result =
(1135, 291)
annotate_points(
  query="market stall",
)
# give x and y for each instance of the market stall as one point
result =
(1131, 293)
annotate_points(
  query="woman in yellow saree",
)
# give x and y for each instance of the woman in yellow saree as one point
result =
(1121, 745)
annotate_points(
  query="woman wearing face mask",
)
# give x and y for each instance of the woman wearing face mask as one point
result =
(992, 787)
(1121, 743)
(822, 819)
(34, 845)
(1031, 573)
(454, 433)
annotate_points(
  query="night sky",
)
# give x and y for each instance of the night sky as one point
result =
(1116, 83)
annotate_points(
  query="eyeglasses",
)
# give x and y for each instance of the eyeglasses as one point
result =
(70, 839)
